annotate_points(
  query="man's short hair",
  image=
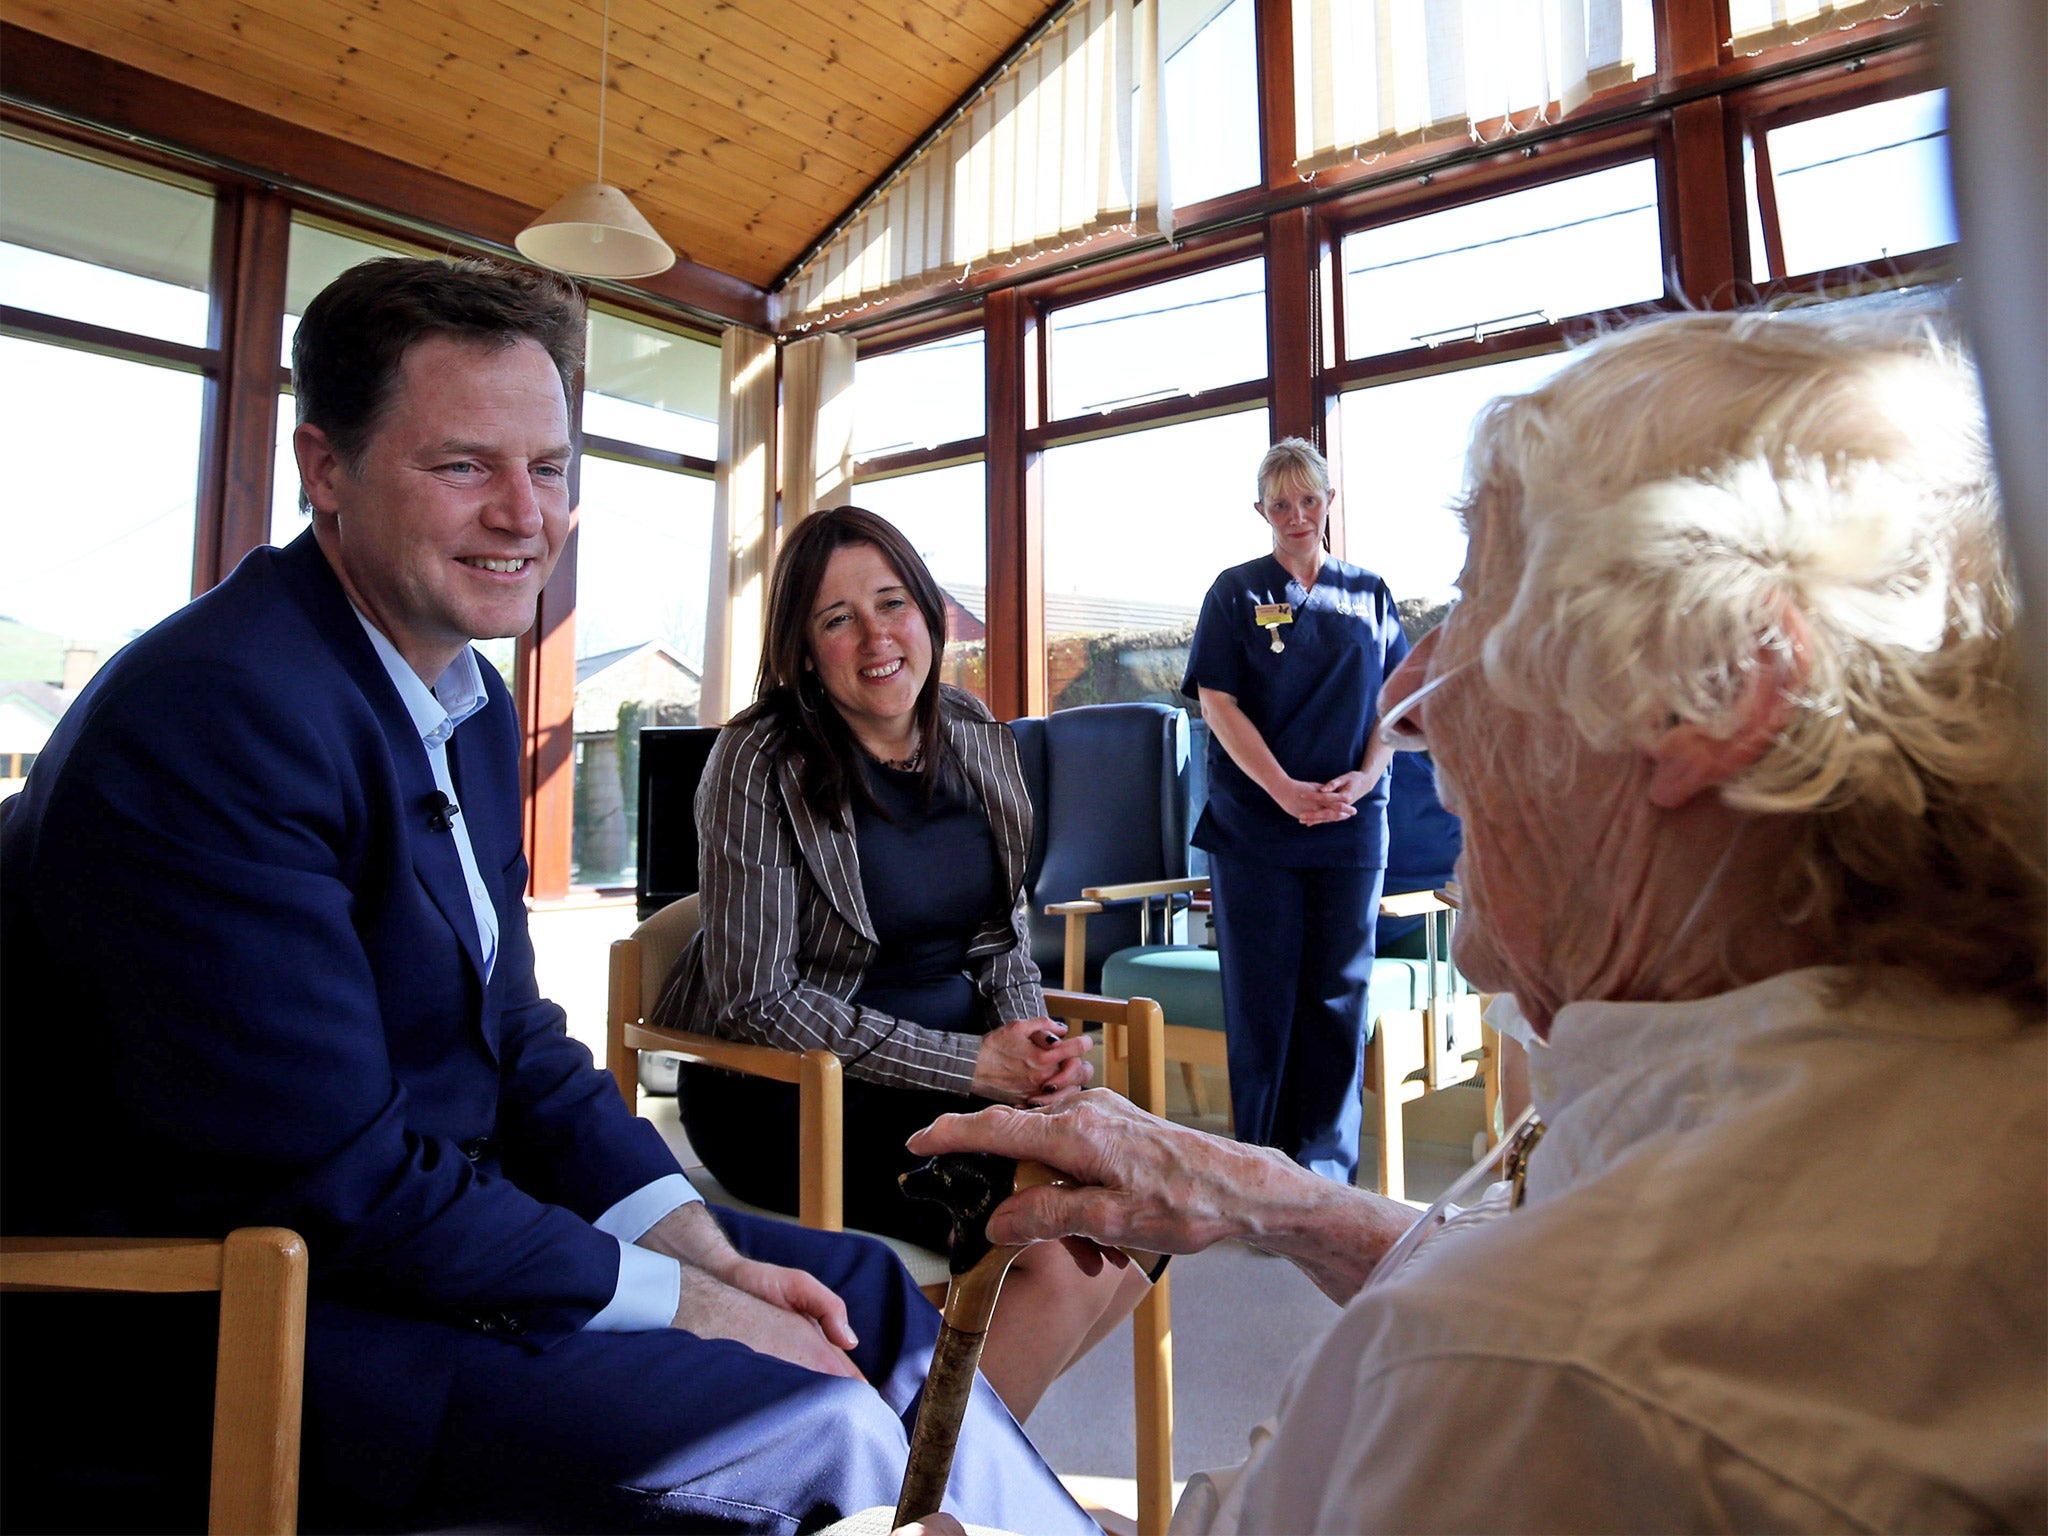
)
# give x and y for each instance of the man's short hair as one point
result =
(355, 333)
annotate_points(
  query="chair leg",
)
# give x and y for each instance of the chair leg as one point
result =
(1198, 1096)
(622, 1001)
(1152, 1346)
(821, 1142)
(1397, 1049)
(1489, 1081)
(1143, 1047)
(259, 1384)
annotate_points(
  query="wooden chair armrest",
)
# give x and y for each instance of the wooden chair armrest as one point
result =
(1138, 890)
(259, 1371)
(821, 1100)
(712, 1051)
(110, 1263)
(1072, 908)
(1413, 904)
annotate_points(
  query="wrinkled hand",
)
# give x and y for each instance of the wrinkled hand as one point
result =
(1030, 1061)
(1314, 804)
(787, 1313)
(1145, 1183)
(940, 1524)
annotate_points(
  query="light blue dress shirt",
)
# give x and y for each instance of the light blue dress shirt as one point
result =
(650, 1284)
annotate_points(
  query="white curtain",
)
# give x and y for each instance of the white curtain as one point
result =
(817, 426)
(1374, 75)
(1759, 24)
(1064, 144)
(742, 524)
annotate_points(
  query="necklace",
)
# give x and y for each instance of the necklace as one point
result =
(908, 764)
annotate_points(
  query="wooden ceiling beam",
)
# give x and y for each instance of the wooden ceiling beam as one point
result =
(91, 88)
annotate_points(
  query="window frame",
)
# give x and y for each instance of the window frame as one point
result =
(1510, 171)
(1754, 111)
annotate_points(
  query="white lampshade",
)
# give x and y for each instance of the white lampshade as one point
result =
(595, 231)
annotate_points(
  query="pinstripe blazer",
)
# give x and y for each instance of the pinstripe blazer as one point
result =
(787, 940)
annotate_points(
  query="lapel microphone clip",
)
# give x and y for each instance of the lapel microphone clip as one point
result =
(441, 812)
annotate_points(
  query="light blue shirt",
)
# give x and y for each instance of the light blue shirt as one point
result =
(650, 1284)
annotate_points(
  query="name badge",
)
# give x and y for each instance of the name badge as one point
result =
(1270, 616)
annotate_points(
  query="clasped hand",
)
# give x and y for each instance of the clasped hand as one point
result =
(1031, 1061)
(1314, 804)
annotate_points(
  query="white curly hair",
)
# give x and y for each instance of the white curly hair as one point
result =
(1707, 494)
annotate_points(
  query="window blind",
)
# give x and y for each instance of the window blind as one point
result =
(1375, 75)
(1064, 144)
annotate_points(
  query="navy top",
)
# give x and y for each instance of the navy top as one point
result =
(932, 879)
(1314, 702)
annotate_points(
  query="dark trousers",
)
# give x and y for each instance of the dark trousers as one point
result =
(1296, 952)
(745, 1129)
(413, 1424)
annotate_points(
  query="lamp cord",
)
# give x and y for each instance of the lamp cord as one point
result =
(604, 53)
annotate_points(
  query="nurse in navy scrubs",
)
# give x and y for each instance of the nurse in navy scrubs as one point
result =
(1287, 663)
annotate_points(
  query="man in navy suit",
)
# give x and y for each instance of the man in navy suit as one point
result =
(270, 868)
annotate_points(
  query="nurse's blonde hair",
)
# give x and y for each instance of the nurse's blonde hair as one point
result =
(1294, 460)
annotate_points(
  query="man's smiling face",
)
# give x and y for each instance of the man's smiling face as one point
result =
(450, 525)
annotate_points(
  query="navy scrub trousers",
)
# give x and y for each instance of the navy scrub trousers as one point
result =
(1296, 947)
(1295, 907)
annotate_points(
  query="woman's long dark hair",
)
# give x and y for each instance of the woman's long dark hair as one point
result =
(789, 690)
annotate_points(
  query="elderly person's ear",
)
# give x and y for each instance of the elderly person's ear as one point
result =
(1688, 759)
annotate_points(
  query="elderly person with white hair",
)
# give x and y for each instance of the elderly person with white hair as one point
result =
(1754, 856)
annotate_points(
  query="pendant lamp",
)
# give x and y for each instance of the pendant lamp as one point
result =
(594, 230)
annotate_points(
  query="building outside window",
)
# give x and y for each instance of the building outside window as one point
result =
(1136, 528)
(919, 424)
(944, 514)
(1403, 475)
(643, 564)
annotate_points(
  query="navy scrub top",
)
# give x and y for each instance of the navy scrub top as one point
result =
(1313, 702)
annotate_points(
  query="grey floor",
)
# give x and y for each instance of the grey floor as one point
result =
(1240, 1321)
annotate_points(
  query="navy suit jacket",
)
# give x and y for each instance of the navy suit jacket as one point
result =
(223, 898)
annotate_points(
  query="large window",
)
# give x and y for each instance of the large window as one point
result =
(82, 240)
(1180, 337)
(103, 424)
(319, 253)
(1404, 469)
(1526, 258)
(1210, 59)
(1136, 528)
(103, 476)
(1850, 188)
(919, 397)
(643, 562)
(944, 514)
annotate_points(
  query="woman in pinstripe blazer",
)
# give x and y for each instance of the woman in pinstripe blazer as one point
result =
(863, 832)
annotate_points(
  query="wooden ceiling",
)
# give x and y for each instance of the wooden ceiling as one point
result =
(742, 128)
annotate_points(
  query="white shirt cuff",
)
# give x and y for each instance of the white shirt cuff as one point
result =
(650, 1286)
(629, 1220)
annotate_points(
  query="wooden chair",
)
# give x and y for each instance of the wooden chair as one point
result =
(1134, 1064)
(260, 1273)
(1426, 1035)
